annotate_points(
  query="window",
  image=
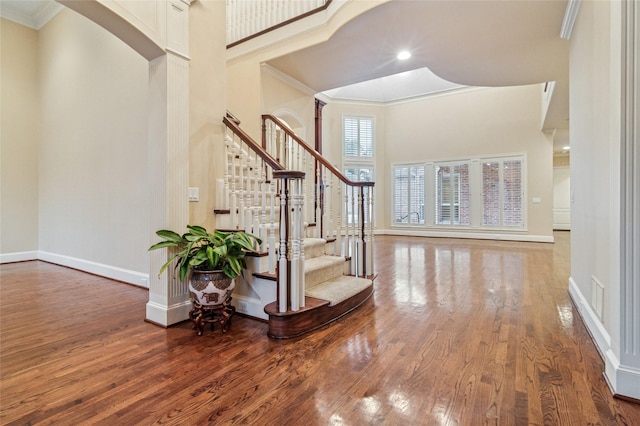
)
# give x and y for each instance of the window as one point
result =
(408, 190)
(502, 193)
(452, 204)
(358, 137)
(491, 193)
(478, 193)
(359, 160)
(359, 174)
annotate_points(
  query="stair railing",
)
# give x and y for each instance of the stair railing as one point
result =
(342, 209)
(252, 181)
(249, 190)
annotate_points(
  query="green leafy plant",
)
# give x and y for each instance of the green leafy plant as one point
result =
(200, 250)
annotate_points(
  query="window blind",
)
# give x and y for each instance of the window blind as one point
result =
(358, 137)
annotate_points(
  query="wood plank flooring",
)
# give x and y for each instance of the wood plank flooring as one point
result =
(458, 332)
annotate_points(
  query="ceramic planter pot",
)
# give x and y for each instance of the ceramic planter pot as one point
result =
(210, 288)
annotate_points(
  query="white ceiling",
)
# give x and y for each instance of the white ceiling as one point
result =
(476, 43)
(395, 87)
(462, 42)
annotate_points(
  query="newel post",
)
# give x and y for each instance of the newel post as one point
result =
(290, 265)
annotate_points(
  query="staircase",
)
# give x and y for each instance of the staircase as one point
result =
(307, 273)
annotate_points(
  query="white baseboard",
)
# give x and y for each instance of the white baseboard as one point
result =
(471, 235)
(623, 380)
(168, 315)
(131, 277)
(594, 325)
(18, 257)
(250, 306)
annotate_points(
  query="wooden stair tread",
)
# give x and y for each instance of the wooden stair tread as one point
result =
(339, 289)
(310, 304)
(317, 313)
(266, 276)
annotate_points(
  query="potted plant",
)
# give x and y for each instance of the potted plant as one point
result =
(211, 260)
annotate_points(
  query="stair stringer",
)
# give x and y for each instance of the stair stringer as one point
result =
(253, 293)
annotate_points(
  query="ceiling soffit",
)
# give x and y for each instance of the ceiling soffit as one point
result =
(476, 43)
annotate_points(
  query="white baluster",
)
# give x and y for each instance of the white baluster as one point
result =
(295, 225)
(240, 188)
(282, 251)
(360, 231)
(339, 220)
(301, 276)
(233, 199)
(227, 163)
(316, 194)
(370, 242)
(263, 208)
(272, 231)
(351, 233)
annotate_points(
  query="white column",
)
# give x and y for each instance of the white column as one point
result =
(623, 358)
(169, 163)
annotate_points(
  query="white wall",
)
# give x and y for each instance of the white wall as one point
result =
(489, 121)
(592, 146)
(94, 189)
(207, 104)
(288, 103)
(19, 142)
(603, 283)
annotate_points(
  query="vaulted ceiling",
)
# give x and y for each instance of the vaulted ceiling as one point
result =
(477, 43)
(472, 42)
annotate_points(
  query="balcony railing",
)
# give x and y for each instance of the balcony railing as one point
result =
(250, 18)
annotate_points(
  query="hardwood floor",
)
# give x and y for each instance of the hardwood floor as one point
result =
(457, 333)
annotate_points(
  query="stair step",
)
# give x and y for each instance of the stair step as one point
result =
(314, 247)
(322, 268)
(339, 289)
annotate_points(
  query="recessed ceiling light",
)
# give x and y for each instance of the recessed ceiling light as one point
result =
(566, 148)
(404, 55)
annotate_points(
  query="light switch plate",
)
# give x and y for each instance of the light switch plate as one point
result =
(194, 194)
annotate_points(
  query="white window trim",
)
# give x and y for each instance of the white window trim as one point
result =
(475, 188)
(348, 161)
(395, 224)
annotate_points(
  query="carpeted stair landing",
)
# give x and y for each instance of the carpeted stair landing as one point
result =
(330, 293)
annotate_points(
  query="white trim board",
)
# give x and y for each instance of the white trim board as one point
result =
(621, 379)
(22, 256)
(497, 236)
(119, 274)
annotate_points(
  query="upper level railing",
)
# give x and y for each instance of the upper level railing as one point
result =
(339, 207)
(249, 19)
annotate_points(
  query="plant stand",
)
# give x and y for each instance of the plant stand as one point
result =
(211, 314)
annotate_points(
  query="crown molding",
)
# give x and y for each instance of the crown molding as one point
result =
(288, 79)
(35, 19)
(392, 102)
(570, 15)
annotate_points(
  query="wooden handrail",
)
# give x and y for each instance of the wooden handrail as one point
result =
(315, 154)
(257, 148)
